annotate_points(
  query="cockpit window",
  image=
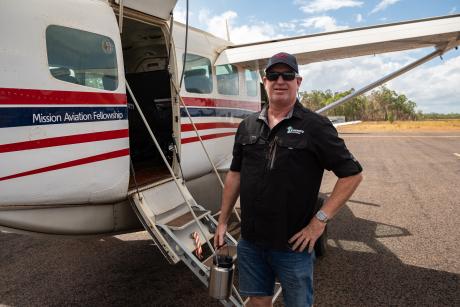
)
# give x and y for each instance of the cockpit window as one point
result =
(252, 82)
(82, 57)
(227, 79)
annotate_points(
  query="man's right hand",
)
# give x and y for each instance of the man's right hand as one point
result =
(219, 235)
(229, 196)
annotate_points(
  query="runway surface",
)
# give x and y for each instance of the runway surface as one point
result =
(395, 243)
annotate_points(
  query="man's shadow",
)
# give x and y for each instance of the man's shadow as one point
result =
(359, 270)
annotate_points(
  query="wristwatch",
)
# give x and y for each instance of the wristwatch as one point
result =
(322, 217)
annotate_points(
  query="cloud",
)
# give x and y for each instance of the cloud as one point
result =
(288, 26)
(217, 24)
(253, 33)
(359, 18)
(203, 15)
(238, 34)
(179, 14)
(325, 23)
(317, 6)
(344, 74)
(452, 10)
(434, 88)
(383, 5)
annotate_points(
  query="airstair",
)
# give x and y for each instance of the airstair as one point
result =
(177, 224)
(171, 224)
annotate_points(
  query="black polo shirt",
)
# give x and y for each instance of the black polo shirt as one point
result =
(281, 172)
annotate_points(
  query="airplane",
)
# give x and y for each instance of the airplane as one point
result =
(113, 116)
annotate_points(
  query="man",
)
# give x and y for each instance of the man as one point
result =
(279, 158)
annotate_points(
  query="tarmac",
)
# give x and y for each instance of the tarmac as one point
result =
(395, 243)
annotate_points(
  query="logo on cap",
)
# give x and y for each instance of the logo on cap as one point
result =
(281, 55)
(283, 58)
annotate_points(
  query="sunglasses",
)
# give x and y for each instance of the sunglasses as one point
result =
(287, 76)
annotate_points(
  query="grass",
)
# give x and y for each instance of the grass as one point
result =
(407, 126)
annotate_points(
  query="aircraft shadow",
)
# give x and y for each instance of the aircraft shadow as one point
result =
(357, 271)
(93, 272)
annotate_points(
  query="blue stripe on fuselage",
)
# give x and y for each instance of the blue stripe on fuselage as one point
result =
(215, 112)
(32, 116)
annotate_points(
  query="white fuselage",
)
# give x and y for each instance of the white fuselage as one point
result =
(64, 126)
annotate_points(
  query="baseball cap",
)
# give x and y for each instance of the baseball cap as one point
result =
(283, 58)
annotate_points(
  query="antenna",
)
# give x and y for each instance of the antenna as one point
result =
(228, 30)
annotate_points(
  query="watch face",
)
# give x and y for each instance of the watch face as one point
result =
(320, 215)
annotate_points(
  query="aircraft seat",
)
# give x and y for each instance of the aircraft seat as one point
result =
(196, 81)
(110, 82)
(63, 74)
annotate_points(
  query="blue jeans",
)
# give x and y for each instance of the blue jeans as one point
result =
(258, 267)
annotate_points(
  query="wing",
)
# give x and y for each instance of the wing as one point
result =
(440, 32)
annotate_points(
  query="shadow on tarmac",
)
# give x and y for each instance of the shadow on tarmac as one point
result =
(93, 272)
(360, 271)
(357, 271)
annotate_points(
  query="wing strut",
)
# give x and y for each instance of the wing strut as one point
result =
(438, 52)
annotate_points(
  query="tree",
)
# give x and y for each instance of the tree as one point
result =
(380, 104)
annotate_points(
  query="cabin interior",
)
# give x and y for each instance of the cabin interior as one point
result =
(145, 56)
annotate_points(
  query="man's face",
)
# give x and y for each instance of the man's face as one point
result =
(282, 92)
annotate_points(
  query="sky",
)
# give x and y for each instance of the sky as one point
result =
(434, 86)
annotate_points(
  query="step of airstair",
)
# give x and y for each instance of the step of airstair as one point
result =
(186, 219)
(164, 210)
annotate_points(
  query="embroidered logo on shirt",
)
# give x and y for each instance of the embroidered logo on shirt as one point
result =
(292, 130)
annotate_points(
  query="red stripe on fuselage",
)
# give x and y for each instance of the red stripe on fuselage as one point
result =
(204, 126)
(221, 103)
(87, 160)
(65, 140)
(206, 137)
(16, 96)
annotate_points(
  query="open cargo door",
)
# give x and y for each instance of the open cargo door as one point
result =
(157, 8)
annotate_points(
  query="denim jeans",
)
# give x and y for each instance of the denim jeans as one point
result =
(258, 267)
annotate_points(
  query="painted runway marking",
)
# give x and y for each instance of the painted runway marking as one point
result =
(456, 154)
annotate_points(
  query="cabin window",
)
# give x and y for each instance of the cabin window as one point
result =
(252, 82)
(197, 74)
(82, 57)
(227, 79)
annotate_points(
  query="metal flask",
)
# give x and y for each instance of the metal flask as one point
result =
(221, 277)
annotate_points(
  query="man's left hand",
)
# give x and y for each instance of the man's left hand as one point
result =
(307, 236)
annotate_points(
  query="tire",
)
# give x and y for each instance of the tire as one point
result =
(321, 243)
